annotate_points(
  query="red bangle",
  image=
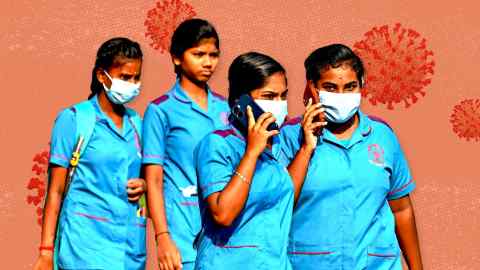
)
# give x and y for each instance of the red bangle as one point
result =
(160, 233)
(40, 248)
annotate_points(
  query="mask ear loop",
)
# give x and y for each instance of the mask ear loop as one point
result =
(111, 80)
(108, 75)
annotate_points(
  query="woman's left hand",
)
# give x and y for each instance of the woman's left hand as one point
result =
(135, 189)
(312, 121)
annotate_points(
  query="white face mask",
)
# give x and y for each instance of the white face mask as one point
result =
(339, 108)
(279, 109)
(121, 91)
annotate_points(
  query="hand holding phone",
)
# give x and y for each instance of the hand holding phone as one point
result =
(310, 95)
(256, 125)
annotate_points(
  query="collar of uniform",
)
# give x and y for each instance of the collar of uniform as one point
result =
(365, 126)
(363, 130)
(180, 94)
(102, 117)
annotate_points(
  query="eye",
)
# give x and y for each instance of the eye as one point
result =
(125, 77)
(268, 96)
(329, 88)
(351, 87)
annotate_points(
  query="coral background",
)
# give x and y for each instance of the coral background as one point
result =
(48, 48)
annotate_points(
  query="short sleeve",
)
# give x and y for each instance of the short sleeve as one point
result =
(401, 179)
(155, 128)
(290, 142)
(63, 138)
(214, 164)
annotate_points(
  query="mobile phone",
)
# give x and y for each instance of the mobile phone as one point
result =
(240, 117)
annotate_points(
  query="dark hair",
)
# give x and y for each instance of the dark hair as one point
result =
(332, 56)
(108, 54)
(189, 34)
(248, 72)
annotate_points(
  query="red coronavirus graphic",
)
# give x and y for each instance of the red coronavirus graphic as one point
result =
(38, 183)
(163, 19)
(465, 119)
(398, 65)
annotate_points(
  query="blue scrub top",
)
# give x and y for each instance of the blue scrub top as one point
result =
(342, 219)
(258, 237)
(173, 126)
(98, 226)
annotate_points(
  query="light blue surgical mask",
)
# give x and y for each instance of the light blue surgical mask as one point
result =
(121, 91)
(278, 108)
(339, 108)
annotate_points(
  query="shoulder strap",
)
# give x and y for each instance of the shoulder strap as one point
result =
(136, 121)
(85, 119)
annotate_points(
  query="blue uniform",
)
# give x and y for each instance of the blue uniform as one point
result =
(98, 226)
(258, 237)
(173, 126)
(342, 219)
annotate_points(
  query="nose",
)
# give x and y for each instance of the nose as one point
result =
(207, 62)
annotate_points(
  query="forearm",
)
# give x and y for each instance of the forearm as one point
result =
(53, 204)
(230, 201)
(50, 218)
(406, 231)
(298, 168)
(155, 197)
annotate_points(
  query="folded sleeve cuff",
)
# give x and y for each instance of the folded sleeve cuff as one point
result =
(401, 191)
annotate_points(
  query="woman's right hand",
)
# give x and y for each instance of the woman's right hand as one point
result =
(313, 122)
(258, 134)
(167, 253)
(44, 262)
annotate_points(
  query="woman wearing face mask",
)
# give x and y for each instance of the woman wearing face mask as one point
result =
(98, 222)
(354, 211)
(246, 195)
(174, 124)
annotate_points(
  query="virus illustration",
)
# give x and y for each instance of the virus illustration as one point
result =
(38, 183)
(465, 119)
(398, 65)
(163, 19)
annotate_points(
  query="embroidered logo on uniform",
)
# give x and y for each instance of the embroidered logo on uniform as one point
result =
(376, 155)
(224, 118)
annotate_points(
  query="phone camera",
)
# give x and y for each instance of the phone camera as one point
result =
(237, 111)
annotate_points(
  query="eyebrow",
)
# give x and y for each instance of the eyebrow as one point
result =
(351, 83)
(329, 84)
(268, 91)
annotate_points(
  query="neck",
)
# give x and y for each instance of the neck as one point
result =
(344, 130)
(108, 107)
(193, 89)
